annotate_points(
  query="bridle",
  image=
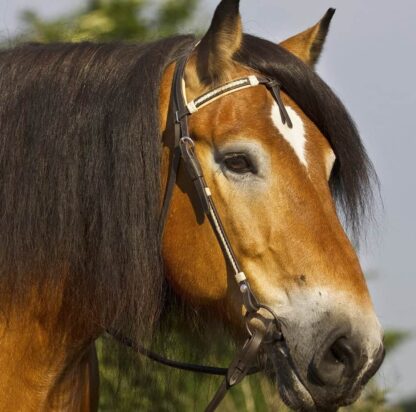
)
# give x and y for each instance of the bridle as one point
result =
(262, 330)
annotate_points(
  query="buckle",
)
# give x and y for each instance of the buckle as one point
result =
(273, 83)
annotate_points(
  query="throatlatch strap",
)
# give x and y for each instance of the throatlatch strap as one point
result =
(181, 129)
(172, 176)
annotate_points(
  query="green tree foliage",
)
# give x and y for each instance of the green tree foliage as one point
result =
(104, 20)
(394, 338)
(143, 385)
(409, 406)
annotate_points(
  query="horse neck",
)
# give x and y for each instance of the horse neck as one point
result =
(40, 356)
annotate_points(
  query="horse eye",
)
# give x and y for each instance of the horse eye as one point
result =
(238, 163)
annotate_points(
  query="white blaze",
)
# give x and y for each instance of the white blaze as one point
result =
(295, 136)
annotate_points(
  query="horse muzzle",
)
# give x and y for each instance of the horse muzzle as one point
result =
(321, 368)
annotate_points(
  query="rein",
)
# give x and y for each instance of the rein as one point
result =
(246, 360)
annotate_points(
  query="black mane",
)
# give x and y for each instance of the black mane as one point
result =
(80, 175)
(80, 163)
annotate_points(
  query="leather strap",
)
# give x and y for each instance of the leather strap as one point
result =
(181, 128)
(195, 172)
(182, 110)
(185, 366)
(239, 368)
(183, 149)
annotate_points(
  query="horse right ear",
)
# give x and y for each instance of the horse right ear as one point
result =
(213, 59)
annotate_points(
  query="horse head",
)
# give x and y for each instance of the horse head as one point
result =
(274, 184)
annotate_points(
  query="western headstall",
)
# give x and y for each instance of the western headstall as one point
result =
(262, 323)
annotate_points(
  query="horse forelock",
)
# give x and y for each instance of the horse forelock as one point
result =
(353, 178)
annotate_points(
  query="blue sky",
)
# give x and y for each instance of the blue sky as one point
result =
(370, 61)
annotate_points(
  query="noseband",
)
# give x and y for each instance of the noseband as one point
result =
(262, 323)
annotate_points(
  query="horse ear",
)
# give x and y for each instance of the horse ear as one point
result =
(308, 45)
(216, 49)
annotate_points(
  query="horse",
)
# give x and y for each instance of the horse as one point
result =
(87, 145)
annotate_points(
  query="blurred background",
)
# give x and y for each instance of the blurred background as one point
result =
(370, 61)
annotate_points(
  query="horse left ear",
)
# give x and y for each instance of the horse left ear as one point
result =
(216, 49)
(308, 45)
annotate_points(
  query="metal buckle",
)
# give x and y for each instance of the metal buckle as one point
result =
(272, 335)
(187, 140)
(177, 118)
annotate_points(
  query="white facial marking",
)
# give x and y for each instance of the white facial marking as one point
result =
(295, 136)
(329, 162)
(306, 309)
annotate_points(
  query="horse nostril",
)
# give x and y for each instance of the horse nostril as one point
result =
(342, 352)
(338, 361)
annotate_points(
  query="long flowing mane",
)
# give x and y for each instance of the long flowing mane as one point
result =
(80, 167)
(80, 175)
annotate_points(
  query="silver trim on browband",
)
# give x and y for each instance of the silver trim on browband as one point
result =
(231, 87)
